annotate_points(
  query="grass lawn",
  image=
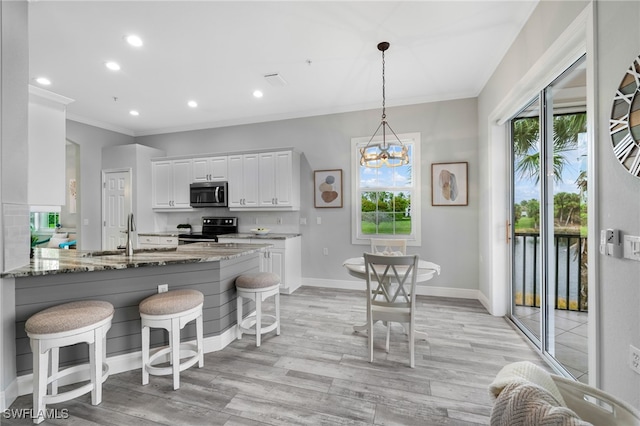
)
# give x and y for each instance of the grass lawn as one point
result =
(401, 227)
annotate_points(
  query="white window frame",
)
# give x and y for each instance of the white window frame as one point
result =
(413, 239)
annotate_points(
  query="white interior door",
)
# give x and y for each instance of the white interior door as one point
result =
(116, 206)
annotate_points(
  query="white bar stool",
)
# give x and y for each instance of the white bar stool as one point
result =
(85, 321)
(257, 287)
(171, 310)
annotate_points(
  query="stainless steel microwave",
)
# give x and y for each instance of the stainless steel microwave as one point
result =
(208, 194)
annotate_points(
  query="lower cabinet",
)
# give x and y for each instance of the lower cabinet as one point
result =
(156, 241)
(283, 259)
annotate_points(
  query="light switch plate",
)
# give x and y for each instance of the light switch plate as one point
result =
(631, 247)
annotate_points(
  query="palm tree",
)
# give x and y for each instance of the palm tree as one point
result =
(526, 136)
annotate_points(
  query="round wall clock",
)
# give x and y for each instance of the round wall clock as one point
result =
(624, 125)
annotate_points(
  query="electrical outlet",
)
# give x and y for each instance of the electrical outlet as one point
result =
(279, 221)
(325, 251)
(634, 358)
(162, 288)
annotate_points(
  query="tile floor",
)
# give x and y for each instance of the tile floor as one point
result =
(570, 338)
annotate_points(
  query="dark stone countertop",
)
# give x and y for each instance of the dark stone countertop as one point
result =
(56, 261)
(269, 236)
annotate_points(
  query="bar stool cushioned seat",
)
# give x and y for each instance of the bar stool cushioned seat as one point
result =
(257, 287)
(85, 321)
(171, 310)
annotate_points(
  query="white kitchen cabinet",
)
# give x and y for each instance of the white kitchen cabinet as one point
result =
(284, 259)
(243, 181)
(276, 178)
(170, 184)
(46, 184)
(156, 241)
(210, 169)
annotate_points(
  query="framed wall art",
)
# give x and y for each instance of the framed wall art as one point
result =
(449, 184)
(327, 188)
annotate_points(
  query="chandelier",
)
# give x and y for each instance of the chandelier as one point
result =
(391, 153)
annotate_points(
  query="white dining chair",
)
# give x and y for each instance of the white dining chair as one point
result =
(391, 296)
(388, 246)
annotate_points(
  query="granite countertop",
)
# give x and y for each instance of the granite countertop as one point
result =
(56, 261)
(164, 234)
(251, 235)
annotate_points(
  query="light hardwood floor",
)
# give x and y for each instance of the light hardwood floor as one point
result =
(317, 372)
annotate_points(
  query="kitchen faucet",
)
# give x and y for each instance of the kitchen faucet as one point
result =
(131, 226)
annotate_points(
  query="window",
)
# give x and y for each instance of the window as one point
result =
(44, 221)
(386, 200)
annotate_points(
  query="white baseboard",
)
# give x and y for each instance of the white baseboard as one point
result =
(9, 395)
(422, 290)
(120, 363)
(485, 302)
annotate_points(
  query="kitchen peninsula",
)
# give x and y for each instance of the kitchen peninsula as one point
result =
(57, 276)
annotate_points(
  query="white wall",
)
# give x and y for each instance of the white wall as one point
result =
(14, 217)
(617, 290)
(448, 133)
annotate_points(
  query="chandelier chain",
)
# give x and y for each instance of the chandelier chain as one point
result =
(384, 114)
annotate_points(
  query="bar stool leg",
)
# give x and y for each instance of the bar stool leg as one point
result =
(200, 340)
(239, 316)
(175, 352)
(54, 355)
(258, 319)
(278, 313)
(145, 354)
(40, 372)
(95, 361)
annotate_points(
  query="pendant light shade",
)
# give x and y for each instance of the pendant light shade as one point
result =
(392, 153)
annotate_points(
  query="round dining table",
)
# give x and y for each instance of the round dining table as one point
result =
(426, 270)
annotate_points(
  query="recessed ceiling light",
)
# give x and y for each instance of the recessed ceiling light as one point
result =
(134, 40)
(257, 94)
(192, 104)
(113, 66)
(43, 80)
(134, 112)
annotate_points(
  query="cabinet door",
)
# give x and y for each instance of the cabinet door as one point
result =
(250, 164)
(267, 170)
(180, 182)
(162, 185)
(278, 265)
(236, 181)
(283, 178)
(200, 169)
(218, 169)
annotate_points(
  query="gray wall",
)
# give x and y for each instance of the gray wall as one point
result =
(448, 133)
(617, 40)
(618, 44)
(91, 141)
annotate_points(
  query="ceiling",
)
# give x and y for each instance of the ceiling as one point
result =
(217, 53)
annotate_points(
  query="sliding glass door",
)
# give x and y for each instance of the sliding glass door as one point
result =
(549, 233)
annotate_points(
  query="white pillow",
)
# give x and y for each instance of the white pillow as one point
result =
(55, 242)
(60, 235)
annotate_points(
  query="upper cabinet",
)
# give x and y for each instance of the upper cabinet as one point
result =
(46, 184)
(210, 169)
(265, 181)
(280, 180)
(243, 181)
(170, 184)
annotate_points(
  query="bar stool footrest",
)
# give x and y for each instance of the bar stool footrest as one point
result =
(191, 358)
(79, 391)
(248, 324)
